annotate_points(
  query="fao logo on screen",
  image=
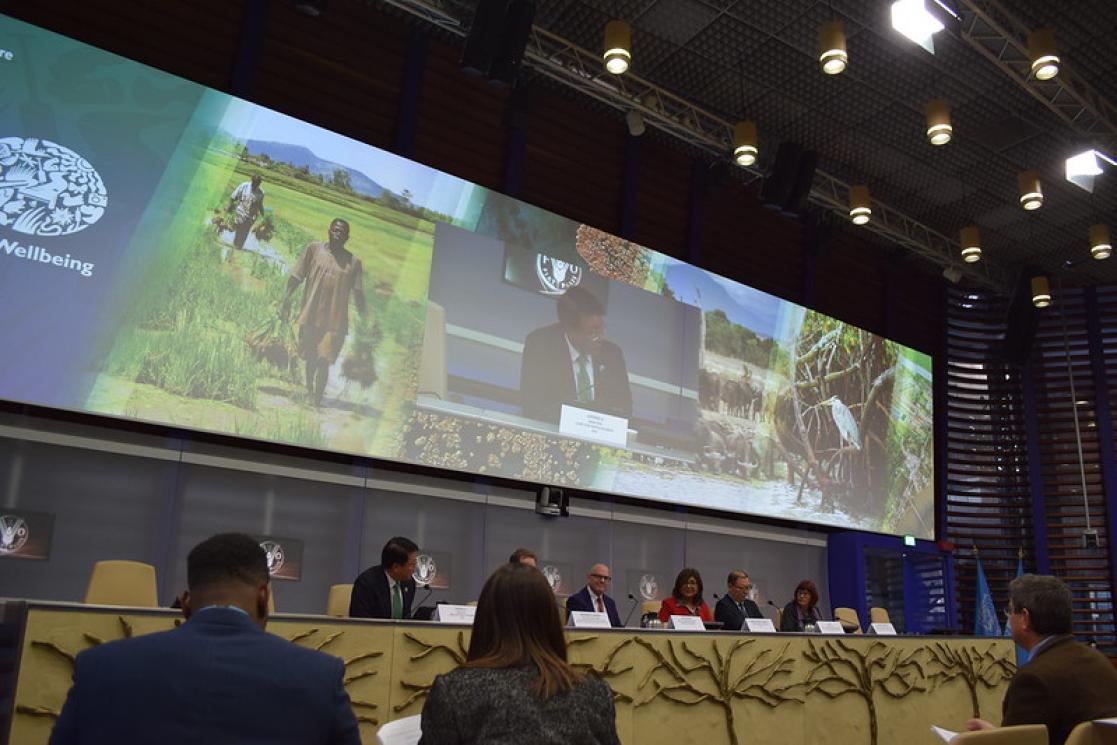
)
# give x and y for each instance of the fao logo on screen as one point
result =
(47, 189)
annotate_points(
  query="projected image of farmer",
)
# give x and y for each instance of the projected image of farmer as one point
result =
(246, 203)
(571, 362)
(331, 274)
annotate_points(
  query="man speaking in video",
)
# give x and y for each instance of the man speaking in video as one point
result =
(570, 362)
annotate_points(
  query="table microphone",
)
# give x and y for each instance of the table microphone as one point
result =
(631, 608)
(415, 606)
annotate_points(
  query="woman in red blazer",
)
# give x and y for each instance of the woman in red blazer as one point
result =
(686, 598)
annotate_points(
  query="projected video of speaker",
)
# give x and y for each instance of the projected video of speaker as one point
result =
(247, 273)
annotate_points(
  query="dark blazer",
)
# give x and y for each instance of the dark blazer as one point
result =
(582, 601)
(495, 706)
(371, 599)
(789, 621)
(1064, 684)
(218, 678)
(729, 614)
(547, 377)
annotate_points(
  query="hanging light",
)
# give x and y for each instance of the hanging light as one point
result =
(1031, 195)
(1041, 51)
(970, 240)
(832, 48)
(1041, 292)
(1100, 245)
(860, 206)
(939, 128)
(618, 46)
(744, 143)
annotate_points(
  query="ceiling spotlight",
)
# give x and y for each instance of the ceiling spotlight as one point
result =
(1041, 51)
(860, 206)
(1100, 245)
(1085, 166)
(1041, 292)
(1031, 196)
(939, 128)
(744, 143)
(912, 19)
(618, 47)
(312, 8)
(970, 240)
(832, 48)
(635, 121)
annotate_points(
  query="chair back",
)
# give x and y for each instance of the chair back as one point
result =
(1023, 734)
(337, 602)
(1093, 733)
(129, 583)
(779, 618)
(271, 598)
(650, 606)
(848, 617)
(406, 731)
(879, 615)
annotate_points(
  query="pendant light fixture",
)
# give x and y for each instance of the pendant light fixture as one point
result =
(832, 53)
(744, 143)
(939, 128)
(1031, 195)
(970, 239)
(1100, 245)
(1041, 292)
(1042, 53)
(618, 46)
(860, 205)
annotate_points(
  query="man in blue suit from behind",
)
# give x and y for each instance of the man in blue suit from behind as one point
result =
(592, 597)
(218, 678)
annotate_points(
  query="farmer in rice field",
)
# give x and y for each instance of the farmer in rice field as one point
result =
(331, 274)
(246, 203)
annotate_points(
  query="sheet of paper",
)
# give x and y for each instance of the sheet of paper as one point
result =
(945, 734)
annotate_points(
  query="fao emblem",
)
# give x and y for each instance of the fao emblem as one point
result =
(649, 587)
(425, 569)
(553, 575)
(13, 533)
(556, 276)
(275, 555)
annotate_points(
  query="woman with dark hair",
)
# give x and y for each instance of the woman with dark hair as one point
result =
(803, 609)
(516, 685)
(686, 598)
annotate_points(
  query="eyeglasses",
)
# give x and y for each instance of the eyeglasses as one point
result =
(602, 577)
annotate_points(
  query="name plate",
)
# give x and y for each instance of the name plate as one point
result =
(830, 627)
(685, 623)
(760, 625)
(884, 629)
(583, 619)
(447, 613)
(593, 425)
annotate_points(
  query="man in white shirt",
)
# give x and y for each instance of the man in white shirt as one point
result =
(246, 203)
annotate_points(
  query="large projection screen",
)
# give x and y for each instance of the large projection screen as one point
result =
(176, 255)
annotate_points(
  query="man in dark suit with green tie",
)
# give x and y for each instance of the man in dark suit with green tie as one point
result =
(1064, 682)
(387, 589)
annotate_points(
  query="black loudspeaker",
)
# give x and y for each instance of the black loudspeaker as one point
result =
(552, 502)
(788, 183)
(494, 47)
(1021, 321)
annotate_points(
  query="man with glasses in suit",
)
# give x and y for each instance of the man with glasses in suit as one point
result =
(592, 597)
(735, 607)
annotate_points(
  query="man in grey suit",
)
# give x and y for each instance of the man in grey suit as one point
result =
(735, 607)
(218, 678)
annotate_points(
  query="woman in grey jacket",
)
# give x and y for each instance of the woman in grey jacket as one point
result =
(516, 686)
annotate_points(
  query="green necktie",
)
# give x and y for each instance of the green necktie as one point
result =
(397, 602)
(582, 380)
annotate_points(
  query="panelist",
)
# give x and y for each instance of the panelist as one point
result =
(686, 598)
(592, 597)
(524, 556)
(803, 609)
(735, 607)
(570, 362)
(1064, 682)
(387, 589)
(516, 685)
